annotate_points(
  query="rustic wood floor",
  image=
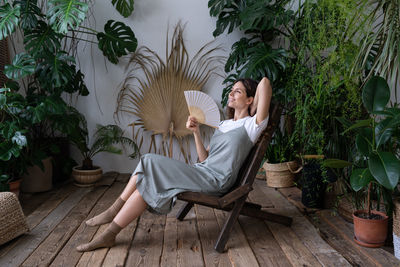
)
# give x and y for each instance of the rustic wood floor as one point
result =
(56, 220)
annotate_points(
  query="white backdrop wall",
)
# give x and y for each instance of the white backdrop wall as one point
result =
(149, 22)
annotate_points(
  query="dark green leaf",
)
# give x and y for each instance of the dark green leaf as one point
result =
(41, 39)
(9, 19)
(55, 69)
(66, 13)
(116, 41)
(376, 94)
(359, 124)
(22, 65)
(335, 163)
(124, 7)
(238, 55)
(360, 178)
(385, 168)
(29, 14)
(364, 141)
(383, 131)
(3, 100)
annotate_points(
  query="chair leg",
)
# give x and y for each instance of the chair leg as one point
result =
(254, 210)
(228, 226)
(184, 211)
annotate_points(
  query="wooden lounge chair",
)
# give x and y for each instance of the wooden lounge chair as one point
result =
(235, 200)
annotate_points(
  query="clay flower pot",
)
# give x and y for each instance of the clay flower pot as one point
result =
(370, 232)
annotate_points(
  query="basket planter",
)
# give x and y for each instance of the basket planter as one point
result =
(281, 174)
(370, 232)
(85, 178)
(37, 180)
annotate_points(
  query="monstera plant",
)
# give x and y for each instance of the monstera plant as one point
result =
(46, 68)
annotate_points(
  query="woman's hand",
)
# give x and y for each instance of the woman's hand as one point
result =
(192, 124)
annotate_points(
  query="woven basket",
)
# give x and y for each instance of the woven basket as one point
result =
(396, 228)
(86, 178)
(12, 219)
(281, 174)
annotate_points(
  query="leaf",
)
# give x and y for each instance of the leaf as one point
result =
(66, 13)
(335, 163)
(384, 130)
(22, 65)
(359, 124)
(376, 94)
(264, 61)
(238, 55)
(385, 168)
(364, 141)
(116, 41)
(360, 178)
(124, 7)
(29, 14)
(9, 19)
(55, 69)
(3, 100)
(42, 38)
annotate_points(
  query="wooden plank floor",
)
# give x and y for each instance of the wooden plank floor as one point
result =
(56, 220)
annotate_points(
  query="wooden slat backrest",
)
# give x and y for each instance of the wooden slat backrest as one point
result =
(251, 165)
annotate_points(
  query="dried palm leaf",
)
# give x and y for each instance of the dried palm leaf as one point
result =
(153, 91)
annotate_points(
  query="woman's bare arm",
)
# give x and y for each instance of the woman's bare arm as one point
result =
(193, 125)
(262, 100)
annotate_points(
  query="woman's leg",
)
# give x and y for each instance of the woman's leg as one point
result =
(133, 208)
(109, 214)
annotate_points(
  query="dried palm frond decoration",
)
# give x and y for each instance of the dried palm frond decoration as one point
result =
(153, 91)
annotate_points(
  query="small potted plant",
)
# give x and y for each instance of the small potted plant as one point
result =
(105, 139)
(378, 169)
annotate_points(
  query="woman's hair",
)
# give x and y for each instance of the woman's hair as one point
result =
(251, 88)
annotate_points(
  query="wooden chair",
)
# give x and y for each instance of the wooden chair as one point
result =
(235, 200)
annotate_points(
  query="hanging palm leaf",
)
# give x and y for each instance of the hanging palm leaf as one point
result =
(153, 91)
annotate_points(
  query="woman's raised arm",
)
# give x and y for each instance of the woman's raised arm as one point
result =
(193, 125)
(262, 100)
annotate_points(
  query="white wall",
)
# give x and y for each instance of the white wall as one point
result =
(149, 22)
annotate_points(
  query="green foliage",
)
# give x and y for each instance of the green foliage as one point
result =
(124, 7)
(41, 39)
(22, 65)
(117, 40)
(66, 14)
(29, 14)
(9, 19)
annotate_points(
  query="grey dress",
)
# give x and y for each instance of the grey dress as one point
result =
(160, 178)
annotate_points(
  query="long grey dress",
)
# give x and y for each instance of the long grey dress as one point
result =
(161, 178)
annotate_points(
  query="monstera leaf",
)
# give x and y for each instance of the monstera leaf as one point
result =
(239, 54)
(29, 14)
(55, 69)
(40, 38)
(124, 7)
(9, 18)
(22, 65)
(66, 13)
(117, 40)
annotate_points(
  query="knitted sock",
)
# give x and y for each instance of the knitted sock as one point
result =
(108, 215)
(105, 239)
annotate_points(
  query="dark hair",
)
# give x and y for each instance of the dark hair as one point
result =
(251, 88)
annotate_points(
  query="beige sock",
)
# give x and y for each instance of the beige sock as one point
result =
(108, 215)
(105, 239)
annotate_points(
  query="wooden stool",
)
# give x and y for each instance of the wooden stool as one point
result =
(12, 219)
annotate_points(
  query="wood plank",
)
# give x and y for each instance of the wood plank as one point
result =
(189, 248)
(266, 249)
(293, 195)
(257, 196)
(49, 248)
(146, 247)
(40, 213)
(29, 242)
(209, 231)
(307, 233)
(342, 245)
(117, 255)
(169, 251)
(239, 250)
(378, 256)
(69, 256)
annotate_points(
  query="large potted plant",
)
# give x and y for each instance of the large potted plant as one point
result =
(378, 169)
(105, 139)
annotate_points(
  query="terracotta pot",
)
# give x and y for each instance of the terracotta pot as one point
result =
(368, 232)
(15, 186)
(86, 178)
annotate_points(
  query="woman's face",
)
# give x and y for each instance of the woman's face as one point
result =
(238, 98)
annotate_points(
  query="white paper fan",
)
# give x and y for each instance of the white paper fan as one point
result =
(203, 107)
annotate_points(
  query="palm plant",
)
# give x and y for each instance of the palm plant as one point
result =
(153, 91)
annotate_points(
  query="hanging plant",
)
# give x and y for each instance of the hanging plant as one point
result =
(153, 91)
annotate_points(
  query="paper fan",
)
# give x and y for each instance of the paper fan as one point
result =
(203, 107)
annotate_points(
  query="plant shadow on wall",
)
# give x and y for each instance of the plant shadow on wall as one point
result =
(32, 117)
(153, 92)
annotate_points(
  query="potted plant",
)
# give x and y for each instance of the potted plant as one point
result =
(378, 169)
(105, 139)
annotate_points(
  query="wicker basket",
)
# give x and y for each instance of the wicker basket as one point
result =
(281, 174)
(86, 178)
(396, 228)
(12, 219)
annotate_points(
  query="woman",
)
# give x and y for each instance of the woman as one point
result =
(158, 179)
